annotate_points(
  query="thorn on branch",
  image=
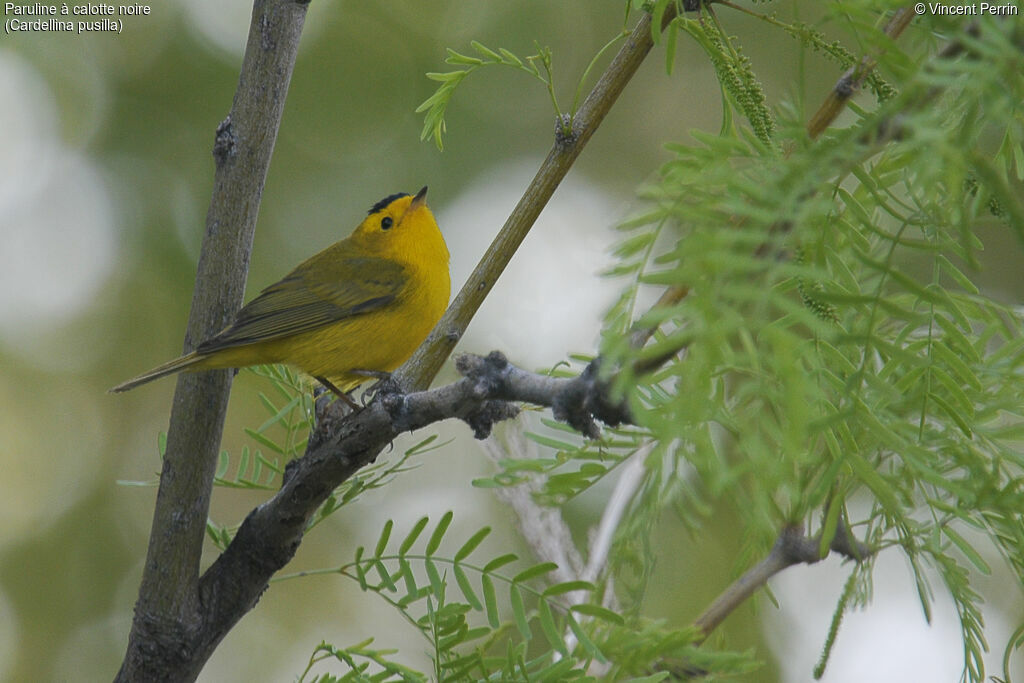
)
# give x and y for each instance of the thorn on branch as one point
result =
(385, 385)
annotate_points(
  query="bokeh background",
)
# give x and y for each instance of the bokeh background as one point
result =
(105, 175)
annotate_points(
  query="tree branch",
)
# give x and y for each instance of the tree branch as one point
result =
(170, 611)
(340, 445)
(418, 372)
(173, 643)
(850, 82)
(792, 547)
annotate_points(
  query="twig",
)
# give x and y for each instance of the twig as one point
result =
(546, 532)
(630, 479)
(482, 398)
(543, 528)
(418, 372)
(631, 476)
(792, 547)
(851, 81)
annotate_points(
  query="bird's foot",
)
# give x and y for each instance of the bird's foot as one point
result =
(339, 393)
(385, 384)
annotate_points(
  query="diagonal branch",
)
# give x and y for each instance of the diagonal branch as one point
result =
(426, 362)
(792, 547)
(850, 82)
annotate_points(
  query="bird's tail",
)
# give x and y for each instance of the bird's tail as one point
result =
(168, 368)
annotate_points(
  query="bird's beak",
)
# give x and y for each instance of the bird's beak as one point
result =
(419, 199)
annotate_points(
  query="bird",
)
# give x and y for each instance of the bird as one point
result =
(355, 310)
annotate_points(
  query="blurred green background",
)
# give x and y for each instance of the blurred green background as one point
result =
(105, 175)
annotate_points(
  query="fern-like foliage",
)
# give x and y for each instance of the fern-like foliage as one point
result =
(538, 65)
(887, 396)
(359, 659)
(833, 364)
(482, 621)
(435, 106)
(735, 73)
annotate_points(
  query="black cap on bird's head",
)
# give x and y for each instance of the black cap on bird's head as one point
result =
(384, 203)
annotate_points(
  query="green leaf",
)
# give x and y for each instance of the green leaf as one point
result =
(598, 612)
(963, 403)
(435, 538)
(657, 11)
(490, 601)
(953, 414)
(485, 51)
(672, 33)
(519, 611)
(828, 530)
(385, 534)
(470, 545)
(874, 481)
(551, 443)
(957, 275)
(434, 576)
(426, 447)
(405, 571)
(500, 561)
(510, 58)
(568, 587)
(534, 571)
(279, 416)
(256, 436)
(412, 536)
(385, 577)
(954, 363)
(551, 632)
(360, 571)
(968, 550)
(444, 77)
(584, 640)
(456, 58)
(467, 588)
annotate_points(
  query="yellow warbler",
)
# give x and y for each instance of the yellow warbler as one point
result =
(360, 306)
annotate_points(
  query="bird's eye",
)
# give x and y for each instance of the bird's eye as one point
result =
(386, 222)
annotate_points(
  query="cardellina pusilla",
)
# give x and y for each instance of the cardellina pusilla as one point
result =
(360, 306)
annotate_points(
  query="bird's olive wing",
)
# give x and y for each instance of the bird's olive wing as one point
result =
(321, 291)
